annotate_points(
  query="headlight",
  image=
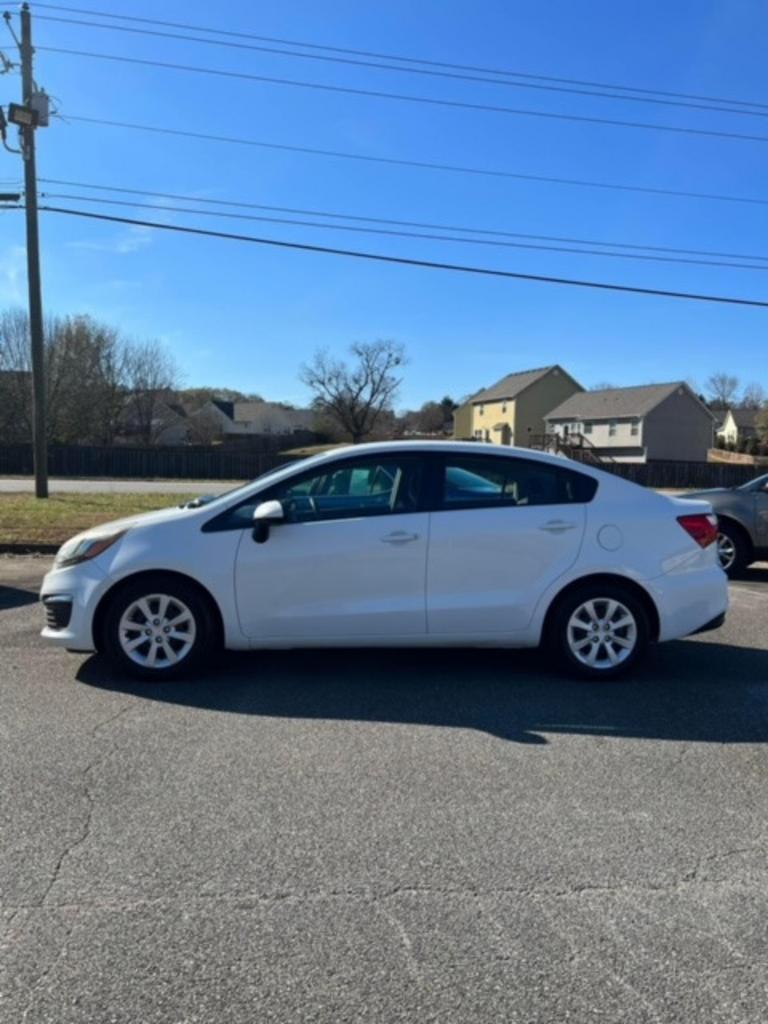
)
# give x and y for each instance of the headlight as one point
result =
(81, 549)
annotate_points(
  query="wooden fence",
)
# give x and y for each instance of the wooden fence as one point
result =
(183, 463)
(683, 475)
(206, 463)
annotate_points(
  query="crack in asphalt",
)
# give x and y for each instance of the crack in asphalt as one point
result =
(368, 894)
(78, 841)
(89, 801)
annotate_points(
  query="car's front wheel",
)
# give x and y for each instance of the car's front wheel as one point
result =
(599, 631)
(157, 627)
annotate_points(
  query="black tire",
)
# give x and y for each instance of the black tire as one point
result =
(739, 549)
(560, 638)
(190, 640)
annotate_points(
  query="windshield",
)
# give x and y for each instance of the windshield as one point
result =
(758, 484)
(243, 489)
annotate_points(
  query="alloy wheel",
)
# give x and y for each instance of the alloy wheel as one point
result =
(726, 551)
(602, 633)
(157, 631)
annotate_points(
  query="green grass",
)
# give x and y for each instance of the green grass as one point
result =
(26, 520)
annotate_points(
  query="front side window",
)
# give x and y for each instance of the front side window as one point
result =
(340, 490)
(480, 481)
(588, 427)
(634, 428)
(612, 428)
(375, 486)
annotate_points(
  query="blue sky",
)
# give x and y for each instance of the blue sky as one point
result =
(246, 316)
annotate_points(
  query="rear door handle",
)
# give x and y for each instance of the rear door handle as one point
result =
(399, 537)
(557, 526)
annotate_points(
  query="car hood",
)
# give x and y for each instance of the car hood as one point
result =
(706, 494)
(139, 520)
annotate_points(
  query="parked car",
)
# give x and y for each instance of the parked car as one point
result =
(742, 516)
(396, 544)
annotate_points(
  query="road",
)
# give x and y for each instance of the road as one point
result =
(380, 837)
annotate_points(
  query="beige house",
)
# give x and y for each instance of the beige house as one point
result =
(638, 424)
(230, 418)
(738, 425)
(512, 411)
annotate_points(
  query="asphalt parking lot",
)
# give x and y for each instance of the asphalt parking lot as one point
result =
(403, 836)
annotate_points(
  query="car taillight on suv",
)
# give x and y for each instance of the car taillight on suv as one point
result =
(703, 528)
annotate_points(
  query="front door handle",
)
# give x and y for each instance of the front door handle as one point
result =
(557, 526)
(399, 537)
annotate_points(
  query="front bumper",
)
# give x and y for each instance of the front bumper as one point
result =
(70, 598)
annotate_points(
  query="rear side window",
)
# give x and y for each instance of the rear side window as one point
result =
(475, 481)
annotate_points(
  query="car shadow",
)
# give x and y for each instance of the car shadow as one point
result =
(753, 574)
(686, 690)
(16, 597)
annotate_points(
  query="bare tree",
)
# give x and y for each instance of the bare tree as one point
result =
(722, 389)
(602, 385)
(87, 380)
(762, 425)
(753, 396)
(152, 377)
(15, 378)
(355, 398)
(205, 426)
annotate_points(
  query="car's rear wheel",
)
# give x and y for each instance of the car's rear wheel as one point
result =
(157, 627)
(599, 631)
(731, 550)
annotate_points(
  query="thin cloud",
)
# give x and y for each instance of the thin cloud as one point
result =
(12, 274)
(133, 239)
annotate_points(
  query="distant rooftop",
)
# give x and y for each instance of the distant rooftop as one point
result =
(610, 403)
(511, 385)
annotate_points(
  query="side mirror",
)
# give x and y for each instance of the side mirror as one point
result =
(264, 514)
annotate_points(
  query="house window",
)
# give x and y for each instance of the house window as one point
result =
(481, 410)
(503, 406)
(612, 428)
(634, 428)
(587, 427)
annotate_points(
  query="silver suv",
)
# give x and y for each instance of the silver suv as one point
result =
(742, 515)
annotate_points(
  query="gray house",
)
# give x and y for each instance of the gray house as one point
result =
(638, 424)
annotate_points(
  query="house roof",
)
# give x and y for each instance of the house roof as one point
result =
(228, 408)
(510, 386)
(744, 417)
(610, 403)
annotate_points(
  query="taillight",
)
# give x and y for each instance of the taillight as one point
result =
(703, 528)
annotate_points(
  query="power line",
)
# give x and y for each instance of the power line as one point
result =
(405, 261)
(395, 57)
(335, 215)
(430, 72)
(408, 97)
(407, 234)
(420, 164)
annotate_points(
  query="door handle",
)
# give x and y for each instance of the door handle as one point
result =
(557, 526)
(399, 537)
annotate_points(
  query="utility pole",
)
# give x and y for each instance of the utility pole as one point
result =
(39, 428)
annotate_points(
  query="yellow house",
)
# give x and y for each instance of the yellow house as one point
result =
(512, 411)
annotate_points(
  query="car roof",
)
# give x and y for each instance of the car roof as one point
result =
(447, 447)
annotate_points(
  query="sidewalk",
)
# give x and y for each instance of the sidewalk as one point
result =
(26, 485)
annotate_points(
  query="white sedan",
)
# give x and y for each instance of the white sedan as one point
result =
(396, 544)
